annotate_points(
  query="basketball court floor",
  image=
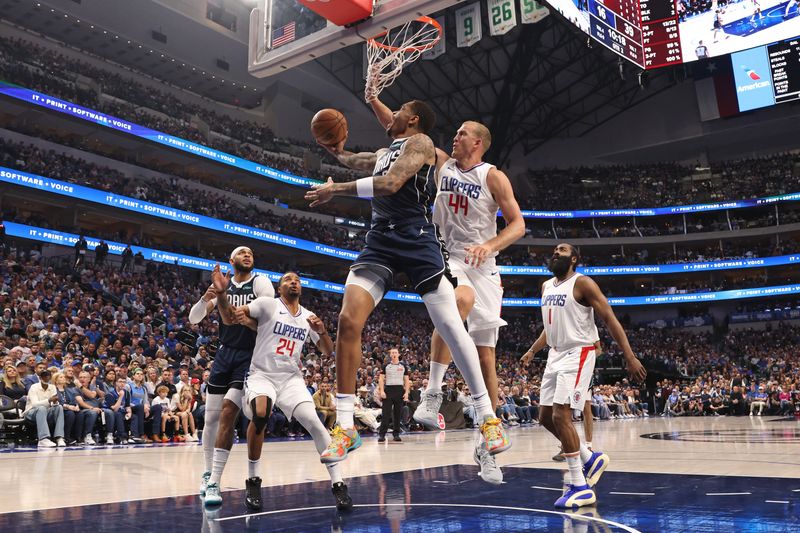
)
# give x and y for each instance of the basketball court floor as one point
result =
(666, 474)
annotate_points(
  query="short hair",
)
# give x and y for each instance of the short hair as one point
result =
(481, 132)
(427, 117)
(162, 388)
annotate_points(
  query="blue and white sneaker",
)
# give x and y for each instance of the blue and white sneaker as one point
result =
(576, 497)
(594, 467)
(213, 496)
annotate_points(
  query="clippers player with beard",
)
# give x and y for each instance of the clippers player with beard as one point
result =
(284, 326)
(402, 238)
(569, 302)
(231, 362)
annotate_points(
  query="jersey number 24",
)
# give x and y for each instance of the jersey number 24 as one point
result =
(285, 347)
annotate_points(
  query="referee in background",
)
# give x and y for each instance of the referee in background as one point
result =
(393, 387)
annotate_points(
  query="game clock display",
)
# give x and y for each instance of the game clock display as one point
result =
(658, 33)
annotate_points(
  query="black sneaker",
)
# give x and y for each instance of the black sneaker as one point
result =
(397, 438)
(343, 500)
(559, 457)
(381, 438)
(253, 497)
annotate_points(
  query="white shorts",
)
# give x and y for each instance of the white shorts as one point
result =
(567, 377)
(485, 282)
(287, 391)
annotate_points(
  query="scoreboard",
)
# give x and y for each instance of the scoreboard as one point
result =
(784, 64)
(642, 31)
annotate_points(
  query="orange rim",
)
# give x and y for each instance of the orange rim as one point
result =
(427, 20)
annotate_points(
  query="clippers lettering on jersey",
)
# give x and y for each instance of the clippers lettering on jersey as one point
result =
(554, 300)
(451, 184)
(286, 330)
(238, 300)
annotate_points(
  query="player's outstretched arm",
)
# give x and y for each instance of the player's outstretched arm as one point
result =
(359, 161)
(538, 345)
(416, 152)
(503, 193)
(203, 307)
(590, 294)
(220, 283)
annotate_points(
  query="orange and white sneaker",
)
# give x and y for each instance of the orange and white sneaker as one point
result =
(343, 441)
(495, 436)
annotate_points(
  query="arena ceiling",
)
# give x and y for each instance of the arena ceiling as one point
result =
(538, 82)
(535, 83)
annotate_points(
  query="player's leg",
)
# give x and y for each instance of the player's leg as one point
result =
(306, 415)
(440, 302)
(364, 288)
(485, 341)
(579, 493)
(588, 424)
(257, 407)
(427, 412)
(231, 405)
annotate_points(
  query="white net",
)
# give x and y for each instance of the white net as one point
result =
(389, 52)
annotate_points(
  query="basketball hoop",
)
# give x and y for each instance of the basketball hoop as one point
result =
(390, 51)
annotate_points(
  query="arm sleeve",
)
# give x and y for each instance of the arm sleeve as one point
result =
(262, 307)
(198, 311)
(262, 286)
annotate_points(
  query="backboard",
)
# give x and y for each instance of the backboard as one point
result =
(284, 33)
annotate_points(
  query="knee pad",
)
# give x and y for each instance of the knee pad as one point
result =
(260, 421)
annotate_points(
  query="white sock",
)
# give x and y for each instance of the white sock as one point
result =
(345, 404)
(483, 407)
(586, 454)
(213, 411)
(218, 466)
(575, 469)
(335, 472)
(442, 308)
(253, 467)
(436, 378)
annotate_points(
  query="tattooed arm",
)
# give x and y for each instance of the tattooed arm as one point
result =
(360, 161)
(416, 152)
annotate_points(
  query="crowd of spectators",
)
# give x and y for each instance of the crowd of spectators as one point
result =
(641, 185)
(120, 350)
(662, 184)
(28, 158)
(54, 74)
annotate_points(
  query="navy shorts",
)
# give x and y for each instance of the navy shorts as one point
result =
(412, 246)
(229, 369)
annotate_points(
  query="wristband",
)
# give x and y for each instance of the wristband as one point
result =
(364, 187)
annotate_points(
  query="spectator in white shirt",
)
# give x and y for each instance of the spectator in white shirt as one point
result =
(43, 408)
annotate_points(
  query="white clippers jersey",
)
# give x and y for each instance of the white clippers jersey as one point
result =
(280, 337)
(464, 209)
(567, 323)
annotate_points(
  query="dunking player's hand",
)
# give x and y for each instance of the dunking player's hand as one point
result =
(636, 369)
(335, 149)
(320, 194)
(477, 254)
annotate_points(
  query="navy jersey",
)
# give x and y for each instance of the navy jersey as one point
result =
(235, 335)
(414, 198)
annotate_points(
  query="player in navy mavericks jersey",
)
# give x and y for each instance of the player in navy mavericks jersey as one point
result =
(230, 364)
(402, 238)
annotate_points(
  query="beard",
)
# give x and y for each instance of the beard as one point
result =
(239, 267)
(560, 265)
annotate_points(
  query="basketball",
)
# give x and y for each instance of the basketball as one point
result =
(329, 127)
